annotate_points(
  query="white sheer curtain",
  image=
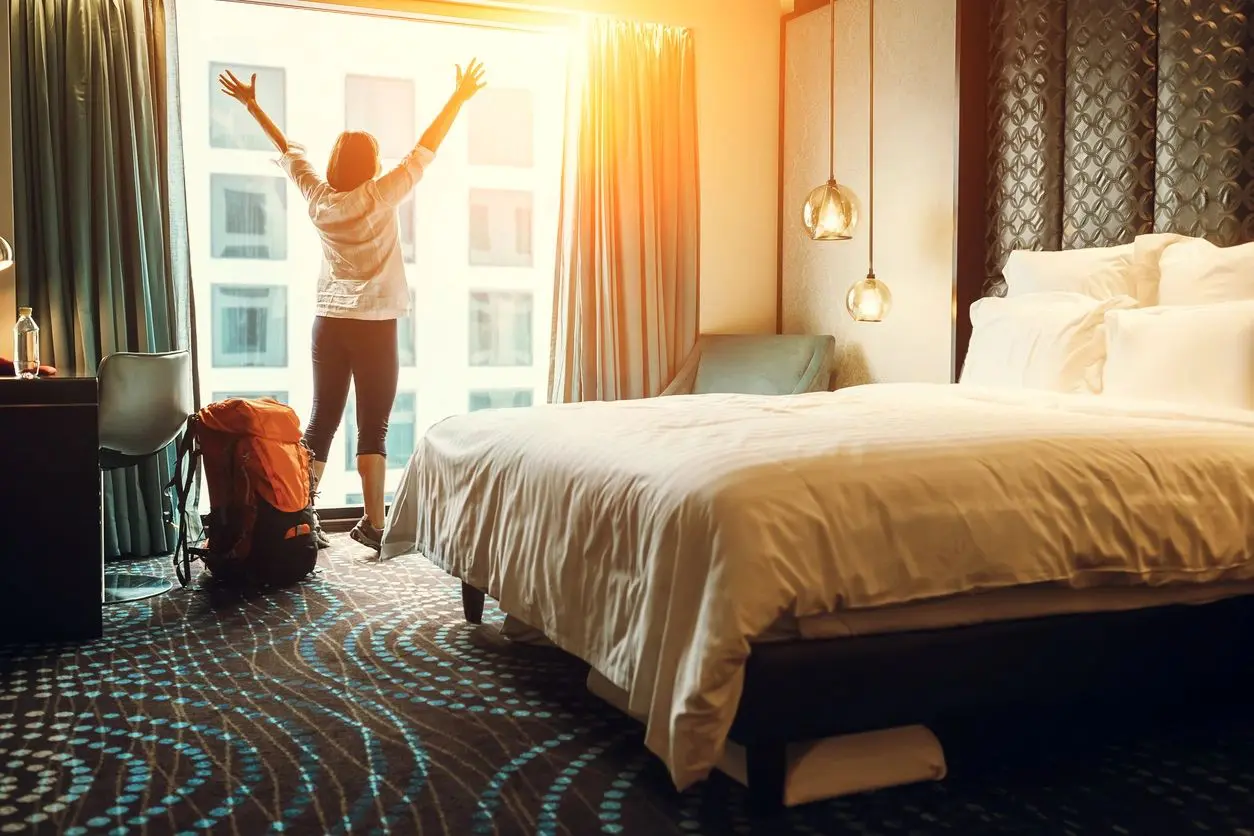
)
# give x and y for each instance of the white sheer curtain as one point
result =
(625, 308)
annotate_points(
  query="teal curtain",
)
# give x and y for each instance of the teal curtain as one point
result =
(100, 215)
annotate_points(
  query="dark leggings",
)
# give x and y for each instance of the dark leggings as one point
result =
(362, 351)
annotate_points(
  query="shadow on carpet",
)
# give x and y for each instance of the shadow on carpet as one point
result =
(361, 702)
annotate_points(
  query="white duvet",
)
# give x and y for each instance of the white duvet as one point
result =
(655, 539)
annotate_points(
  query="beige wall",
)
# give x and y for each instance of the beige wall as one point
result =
(737, 52)
(8, 301)
(916, 112)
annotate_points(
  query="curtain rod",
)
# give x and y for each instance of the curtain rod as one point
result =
(480, 15)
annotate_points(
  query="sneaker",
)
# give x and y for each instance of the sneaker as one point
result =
(367, 534)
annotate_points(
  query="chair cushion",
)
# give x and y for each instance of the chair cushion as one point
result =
(767, 364)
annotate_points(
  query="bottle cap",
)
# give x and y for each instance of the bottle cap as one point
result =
(24, 311)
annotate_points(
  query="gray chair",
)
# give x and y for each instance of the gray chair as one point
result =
(756, 364)
(145, 401)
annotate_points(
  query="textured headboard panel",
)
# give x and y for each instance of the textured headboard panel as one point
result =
(1107, 119)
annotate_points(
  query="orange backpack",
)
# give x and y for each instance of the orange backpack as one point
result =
(260, 525)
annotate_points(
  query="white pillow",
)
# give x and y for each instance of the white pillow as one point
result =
(1147, 254)
(1201, 355)
(1053, 341)
(1196, 272)
(1099, 272)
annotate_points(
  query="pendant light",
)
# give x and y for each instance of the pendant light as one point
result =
(870, 300)
(831, 210)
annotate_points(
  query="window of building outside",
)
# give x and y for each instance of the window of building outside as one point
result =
(499, 398)
(249, 326)
(477, 236)
(249, 217)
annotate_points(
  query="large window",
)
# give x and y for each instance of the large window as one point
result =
(499, 398)
(500, 228)
(477, 235)
(406, 342)
(383, 107)
(402, 433)
(249, 216)
(249, 325)
(500, 329)
(501, 131)
(230, 126)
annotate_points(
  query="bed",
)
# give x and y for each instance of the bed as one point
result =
(766, 570)
(762, 571)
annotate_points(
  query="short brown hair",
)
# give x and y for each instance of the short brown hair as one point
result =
(354, 160)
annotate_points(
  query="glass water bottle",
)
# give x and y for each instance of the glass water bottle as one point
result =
(25, 346)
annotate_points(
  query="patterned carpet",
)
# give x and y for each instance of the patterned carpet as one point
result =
(362, 703)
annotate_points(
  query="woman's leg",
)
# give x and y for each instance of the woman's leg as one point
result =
(332, 373)
(376, 366)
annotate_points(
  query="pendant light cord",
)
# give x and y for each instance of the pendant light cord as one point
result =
(831, 103)
(870, 221)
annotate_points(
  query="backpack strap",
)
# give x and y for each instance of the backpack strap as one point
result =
(185, 473)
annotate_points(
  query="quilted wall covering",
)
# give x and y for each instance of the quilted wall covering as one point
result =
(1112, 118)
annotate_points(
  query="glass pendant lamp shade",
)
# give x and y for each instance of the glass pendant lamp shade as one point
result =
(869, 300)
(830, 213)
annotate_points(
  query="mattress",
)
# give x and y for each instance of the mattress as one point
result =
(999, 605)
(657, 539)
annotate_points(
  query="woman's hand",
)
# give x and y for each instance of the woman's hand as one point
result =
(245, 94)
(470, 81)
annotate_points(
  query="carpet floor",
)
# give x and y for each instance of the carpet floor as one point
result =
(361, 702)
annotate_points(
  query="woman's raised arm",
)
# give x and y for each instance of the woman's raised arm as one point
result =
(468, 83)
(397, 183)
(246, 94)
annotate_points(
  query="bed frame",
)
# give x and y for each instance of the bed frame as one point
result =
(1014, 677)
(1143, 180)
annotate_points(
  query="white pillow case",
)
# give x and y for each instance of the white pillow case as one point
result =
(1196, 272)
(1099, 272)
(1201, 355)
(1053, 341)
(1147, 254)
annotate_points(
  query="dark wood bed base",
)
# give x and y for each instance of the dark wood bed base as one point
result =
(1025, 672)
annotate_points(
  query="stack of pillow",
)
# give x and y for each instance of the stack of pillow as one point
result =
(1165, 318)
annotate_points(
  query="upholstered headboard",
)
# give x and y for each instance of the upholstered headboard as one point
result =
(1112, 118)
(1088, 122)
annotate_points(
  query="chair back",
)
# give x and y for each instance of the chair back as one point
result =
(145, 401)
(763, 364)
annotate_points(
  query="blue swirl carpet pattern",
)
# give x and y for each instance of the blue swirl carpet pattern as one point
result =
(361, 703)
